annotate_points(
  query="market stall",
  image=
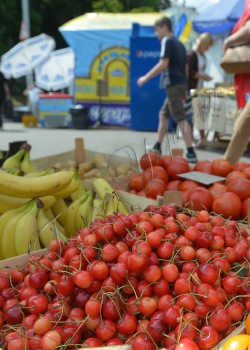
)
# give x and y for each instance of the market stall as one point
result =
(152, 274)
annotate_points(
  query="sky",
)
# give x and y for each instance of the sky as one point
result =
(200, 5)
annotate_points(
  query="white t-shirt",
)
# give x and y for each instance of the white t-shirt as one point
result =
(33, 95)
(201, 68)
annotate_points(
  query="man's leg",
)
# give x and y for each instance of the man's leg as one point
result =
(162, 127)
(175, 95)
(186, 132)
(240, 137)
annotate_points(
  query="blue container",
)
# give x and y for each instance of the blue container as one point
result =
(54, 110)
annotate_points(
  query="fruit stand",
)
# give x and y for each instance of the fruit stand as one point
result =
(119, 270)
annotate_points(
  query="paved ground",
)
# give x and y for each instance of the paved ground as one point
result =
(46, 142)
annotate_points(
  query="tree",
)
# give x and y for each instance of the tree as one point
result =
(107, 6)
(164, 4)
(142, 9)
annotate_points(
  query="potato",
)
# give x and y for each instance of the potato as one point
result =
(86, 166)
(60, 165)
(71, 163)
(92, 173)
(122, 170)
(99, 160)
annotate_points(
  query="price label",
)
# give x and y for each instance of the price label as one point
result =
(205, 179)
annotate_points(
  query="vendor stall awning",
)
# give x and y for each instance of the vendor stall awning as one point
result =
(219, 17)
(111, 21)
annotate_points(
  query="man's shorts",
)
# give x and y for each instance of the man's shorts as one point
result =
(173, 104)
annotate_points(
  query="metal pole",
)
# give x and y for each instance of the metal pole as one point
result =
(26, 18)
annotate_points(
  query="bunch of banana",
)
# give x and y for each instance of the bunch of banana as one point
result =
(47, 228)
(8, 203)
(18, 231)
(21, 160)
(102, 187)
(78, 214)
(31, 187)
(26, 229)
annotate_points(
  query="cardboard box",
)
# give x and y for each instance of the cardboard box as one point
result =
(217, 114)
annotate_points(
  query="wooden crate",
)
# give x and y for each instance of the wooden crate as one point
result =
(239, 330)
(21, 260)
(80, 154)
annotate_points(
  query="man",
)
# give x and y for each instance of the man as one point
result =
(4, 94)
(174, 68)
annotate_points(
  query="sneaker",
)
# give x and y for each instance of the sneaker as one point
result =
(153, 149)
(191, 157)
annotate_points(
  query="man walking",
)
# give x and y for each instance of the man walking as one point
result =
(174, 68)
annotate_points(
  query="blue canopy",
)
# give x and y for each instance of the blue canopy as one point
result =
(220, 17)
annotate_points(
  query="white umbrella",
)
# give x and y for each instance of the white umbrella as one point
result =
(26, 55)
(58, 71)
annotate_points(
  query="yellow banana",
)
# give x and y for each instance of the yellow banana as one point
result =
(26, 233)
(71, 213)
(81, 190)
(4, 219)
(102, 187)
(31, 187)
(51, 217)
(98, 211)
(83, 216)
(9, 203)
(14, 171)
(14, 161)
(47, 230)
(8, 238)
(60, 207)
(109, 206)
(26, 164)
(41, 173)
(65, 193)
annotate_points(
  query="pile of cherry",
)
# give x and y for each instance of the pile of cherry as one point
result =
(153, 279)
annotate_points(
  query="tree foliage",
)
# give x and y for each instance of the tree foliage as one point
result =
(46, 16)
(107, 6)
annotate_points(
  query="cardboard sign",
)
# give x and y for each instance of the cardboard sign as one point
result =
(205, 179)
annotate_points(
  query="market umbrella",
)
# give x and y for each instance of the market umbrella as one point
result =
(58, 71)
(219, 17)
(26, 55)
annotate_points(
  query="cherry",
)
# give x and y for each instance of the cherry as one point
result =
(14, 315)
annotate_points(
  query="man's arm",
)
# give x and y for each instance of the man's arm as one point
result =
(7, 90)
(157, 69)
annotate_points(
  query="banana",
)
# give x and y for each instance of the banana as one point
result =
(41, 173)
(65, 193)
(102, 187)
(8, 238)
(14, 171)
(60, 207)
(14, 161)
(71, 213)
(31, 187)
(47, 230)
(9, 203)
(26, 165)
(98, 211)
(26, 233)
(81, 190)
(4, 219)
(51, 217)
(83, 216)
(109, 207)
